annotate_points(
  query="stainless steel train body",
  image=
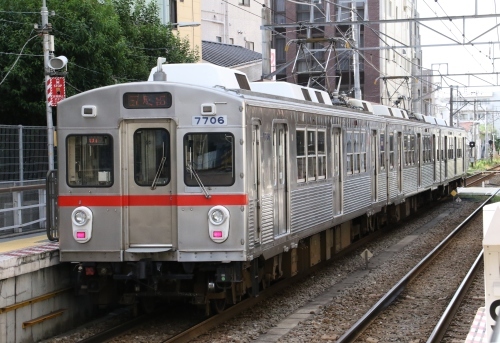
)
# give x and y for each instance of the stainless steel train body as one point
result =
(169, 188)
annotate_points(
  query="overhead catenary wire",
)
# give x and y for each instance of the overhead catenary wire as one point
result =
(17, 59)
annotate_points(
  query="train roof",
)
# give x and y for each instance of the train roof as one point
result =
(209, 75)
(291, 90)
(203, 74)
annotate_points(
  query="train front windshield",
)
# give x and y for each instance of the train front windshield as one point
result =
(210, 156)
(89, 160)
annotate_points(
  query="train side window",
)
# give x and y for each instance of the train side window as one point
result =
(321, 154)
(409, 149)
(412, 149)
(382, 151)
(311, 155)
(451, 148)
(362, 152)
(151, 157)
(209, 157)
(356, 152)
(89, 160)
(391, 151)
(301, 156)
(349, 152)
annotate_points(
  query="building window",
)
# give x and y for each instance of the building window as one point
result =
(279, 11)
(244, 2)
(218, 39)
(231, 40)
(249, 45)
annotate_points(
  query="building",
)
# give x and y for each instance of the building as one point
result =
(235, 22)
(386, 56)
(184, 16)
(373, 61)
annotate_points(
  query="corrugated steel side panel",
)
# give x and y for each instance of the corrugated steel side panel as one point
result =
(410, 179)
(267, 218)
(311, 206)
(382, 187)
(357, 193)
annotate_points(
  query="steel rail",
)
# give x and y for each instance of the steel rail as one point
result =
(384, 302)
(118, 330)
(229, 313)
(444, 322)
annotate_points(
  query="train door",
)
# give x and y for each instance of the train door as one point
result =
(434, 157)
(147, 186)
(419, 159)
(455, 156)
(374, 164)
(337, 170)
(400, 162)
(445, 157)
(257, 178)
(280, 151)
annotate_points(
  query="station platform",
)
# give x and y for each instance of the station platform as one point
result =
(36, 297)
(20, 242)
(477, 332)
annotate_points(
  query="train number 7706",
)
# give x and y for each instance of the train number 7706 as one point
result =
(209, 120)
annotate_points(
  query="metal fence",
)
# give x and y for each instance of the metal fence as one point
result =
(23, 170)
(23, 153)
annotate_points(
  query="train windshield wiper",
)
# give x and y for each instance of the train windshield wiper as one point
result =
(198, 180)
(157, 176)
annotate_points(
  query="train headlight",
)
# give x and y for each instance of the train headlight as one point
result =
(79, 217)
(218, 224)
(216, 216)
(81, 220)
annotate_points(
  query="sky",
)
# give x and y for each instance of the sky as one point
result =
(481, 58)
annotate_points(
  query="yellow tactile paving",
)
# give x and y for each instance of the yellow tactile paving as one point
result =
(9, 244)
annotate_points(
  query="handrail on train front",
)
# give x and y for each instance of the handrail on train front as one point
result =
(51, 206)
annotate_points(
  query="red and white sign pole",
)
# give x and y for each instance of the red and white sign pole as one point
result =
(54, 86)
(46, 56)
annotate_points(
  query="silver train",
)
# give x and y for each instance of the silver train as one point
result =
(208, 187)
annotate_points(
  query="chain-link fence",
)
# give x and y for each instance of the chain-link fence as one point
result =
(23, 170)
(23, 153)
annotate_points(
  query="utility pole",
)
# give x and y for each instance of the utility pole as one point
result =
(266, 43)
(46, 28)
(54, 86)
(355, 57)
(451, 106)
(476, 124)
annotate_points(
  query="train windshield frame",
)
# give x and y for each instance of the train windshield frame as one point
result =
(209, 157)
(89, 160)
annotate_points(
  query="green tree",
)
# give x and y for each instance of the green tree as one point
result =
(105, 41)
(487, 129)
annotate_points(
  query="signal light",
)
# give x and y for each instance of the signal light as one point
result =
(80, 235)
(217, 234)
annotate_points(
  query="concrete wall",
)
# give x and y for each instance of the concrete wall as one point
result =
(30, 274)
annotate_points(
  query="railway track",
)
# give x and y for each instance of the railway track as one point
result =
(247, 327)
(478, 179)
(181, 330)
(416, 296)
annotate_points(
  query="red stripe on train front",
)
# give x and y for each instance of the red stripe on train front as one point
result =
(151, 200)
